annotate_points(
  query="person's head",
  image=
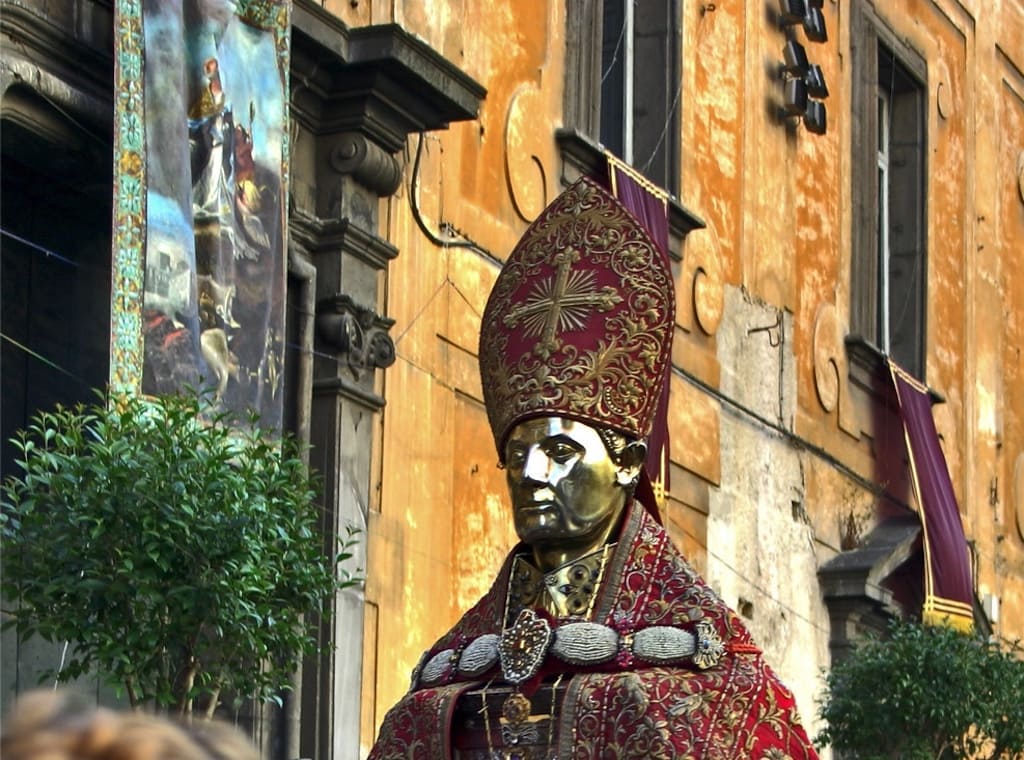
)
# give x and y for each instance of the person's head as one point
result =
(569, 483)
(48, 725)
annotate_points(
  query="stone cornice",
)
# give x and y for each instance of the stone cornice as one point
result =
(861, 572)
(71, 70)
(339, 236)
(378, 80)
(869, 368)
(853, 582)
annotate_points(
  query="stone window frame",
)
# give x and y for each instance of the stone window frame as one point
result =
(877, 53)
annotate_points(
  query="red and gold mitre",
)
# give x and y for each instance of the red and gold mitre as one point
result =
(579, 323)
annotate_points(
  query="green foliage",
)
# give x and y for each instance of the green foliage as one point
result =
(926, 692)
(179, 554)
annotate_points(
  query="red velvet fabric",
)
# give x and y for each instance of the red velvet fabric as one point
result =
(949, 585)
(650, 208)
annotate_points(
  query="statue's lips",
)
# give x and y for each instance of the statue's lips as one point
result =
(535, 507)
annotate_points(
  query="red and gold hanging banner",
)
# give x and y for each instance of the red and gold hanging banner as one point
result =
(949, 591)
(649, 204)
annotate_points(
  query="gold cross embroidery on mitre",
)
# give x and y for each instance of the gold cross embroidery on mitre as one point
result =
(561, 302)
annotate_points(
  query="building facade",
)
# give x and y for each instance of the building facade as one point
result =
(426, 136)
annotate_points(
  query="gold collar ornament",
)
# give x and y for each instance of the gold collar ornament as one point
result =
(566, 591)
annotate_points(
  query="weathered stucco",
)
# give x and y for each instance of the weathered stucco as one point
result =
(759, 505)
(763, 552)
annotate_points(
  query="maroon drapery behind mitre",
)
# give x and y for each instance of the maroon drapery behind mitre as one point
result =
(949, 593)
(649, 204)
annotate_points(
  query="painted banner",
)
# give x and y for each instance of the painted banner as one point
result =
(201, 157)
(949, 590)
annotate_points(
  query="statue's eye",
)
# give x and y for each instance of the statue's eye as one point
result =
(561, 452)
(515, 457)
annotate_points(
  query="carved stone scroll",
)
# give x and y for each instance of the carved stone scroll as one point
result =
(351, 153)
(945, 94)
(1020, 175)
(524, 168)
(356, 333)
(1018, 492)
(702, 290)
(831, 369)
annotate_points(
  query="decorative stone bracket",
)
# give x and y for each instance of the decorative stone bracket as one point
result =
(380, 81)
(853, 583)
(355, 333)
(352, 153)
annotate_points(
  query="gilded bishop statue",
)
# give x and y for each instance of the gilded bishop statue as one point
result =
(597, 638)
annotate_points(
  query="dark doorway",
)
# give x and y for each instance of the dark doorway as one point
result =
(55, 209)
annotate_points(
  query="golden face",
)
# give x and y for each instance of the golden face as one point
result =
(567, 491)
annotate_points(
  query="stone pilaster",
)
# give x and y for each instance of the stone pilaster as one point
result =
(356, 96)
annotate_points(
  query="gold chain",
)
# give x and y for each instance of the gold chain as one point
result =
(487, 720)
(551, 713)
(600, 577)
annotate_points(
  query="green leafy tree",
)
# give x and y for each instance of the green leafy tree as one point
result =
(178, 553)
(925, 692)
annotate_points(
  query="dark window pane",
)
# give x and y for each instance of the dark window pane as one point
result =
(645, 44)
(905, 229)
(613, 59)
(656, 83)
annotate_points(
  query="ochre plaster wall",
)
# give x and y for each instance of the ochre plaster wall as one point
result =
(1000, 244)
(758, 511)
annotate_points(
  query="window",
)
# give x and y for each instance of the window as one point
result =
(889, 259)
(628, 98)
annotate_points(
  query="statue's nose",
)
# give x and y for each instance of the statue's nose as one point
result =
(538, 465)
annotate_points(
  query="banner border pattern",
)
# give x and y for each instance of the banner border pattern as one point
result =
(129, 207)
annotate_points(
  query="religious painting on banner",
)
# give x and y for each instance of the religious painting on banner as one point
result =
(210, 135)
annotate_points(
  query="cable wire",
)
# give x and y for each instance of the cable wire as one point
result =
(40, 357)
(751, 583)
(433, 237)
(792, 438)
(36, 247)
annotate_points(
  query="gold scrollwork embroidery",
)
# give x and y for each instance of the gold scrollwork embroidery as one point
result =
(609, 374)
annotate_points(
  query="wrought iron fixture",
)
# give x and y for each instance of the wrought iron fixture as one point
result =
(804, 86)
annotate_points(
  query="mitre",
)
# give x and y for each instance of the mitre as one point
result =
(579, 322)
